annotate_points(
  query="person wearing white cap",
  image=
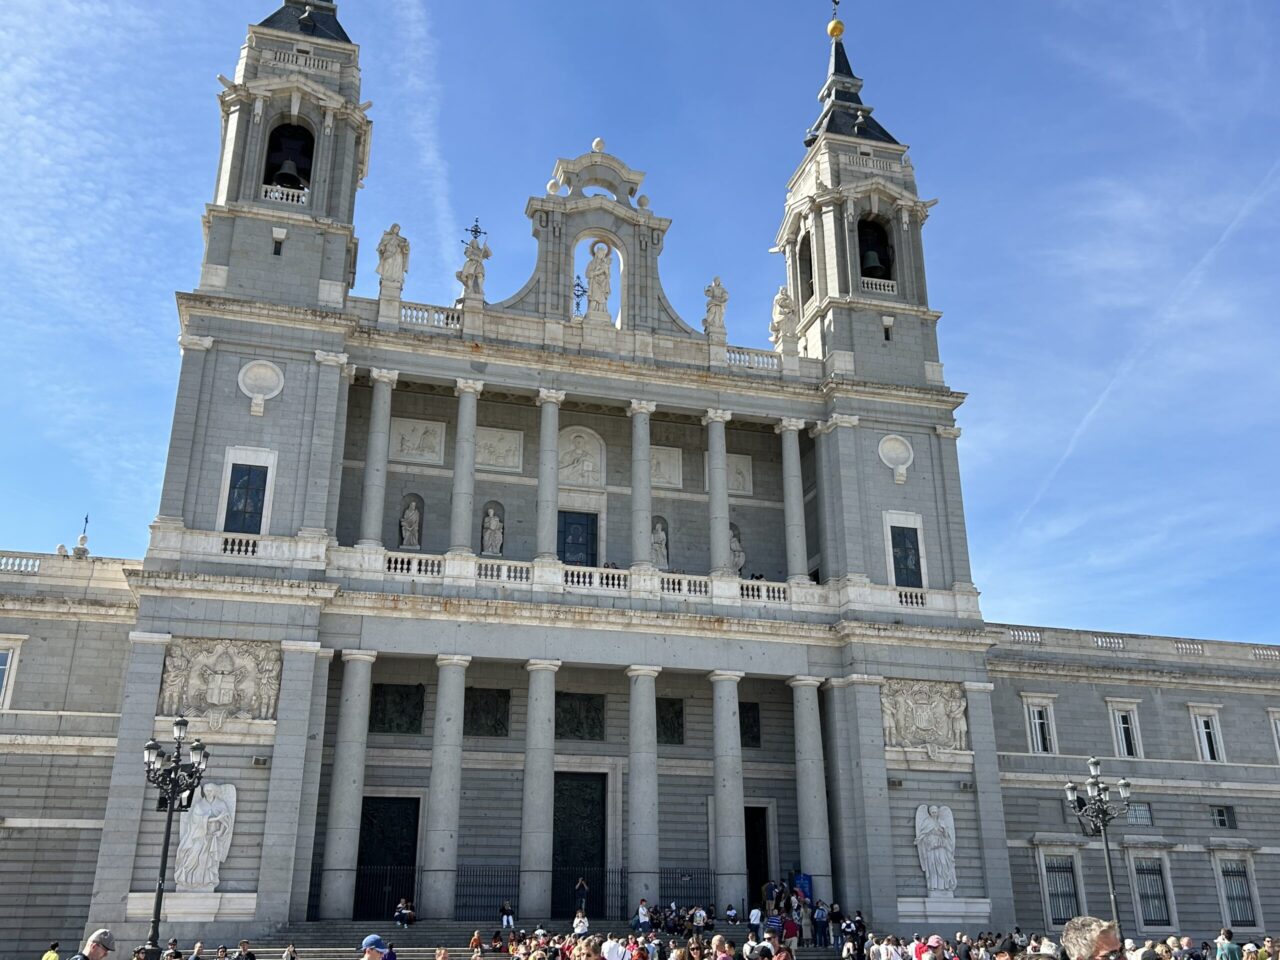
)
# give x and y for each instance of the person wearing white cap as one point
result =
(96, 946)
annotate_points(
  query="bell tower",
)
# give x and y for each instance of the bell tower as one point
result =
(851, 234)
(295, 148)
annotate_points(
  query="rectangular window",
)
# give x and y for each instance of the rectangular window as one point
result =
(1060, 888)
(1152, 897)
(486, 713)
(1224, 818)
(1040, 722)
(1126, 733)
(246, 497)
(1238, 893)
(906, 557)
(749, 723)
(1207, 738)
(1139, 815)
(670, 716)
(579, 716)
(6, 657)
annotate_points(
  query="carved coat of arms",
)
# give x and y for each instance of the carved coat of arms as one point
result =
(221, 680)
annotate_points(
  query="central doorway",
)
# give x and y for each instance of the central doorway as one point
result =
(757, 836)
(576, 538)
(387, 865)
(578, 846)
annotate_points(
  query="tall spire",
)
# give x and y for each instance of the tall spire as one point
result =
(843, 112)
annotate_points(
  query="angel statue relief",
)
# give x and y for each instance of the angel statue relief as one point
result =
(936, 847)
(206, 838)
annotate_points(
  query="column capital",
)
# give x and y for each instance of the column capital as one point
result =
(368, 656)
(300, 646)
(950, 433)
(725, 676)
(384, 376)
(349, 372)
(452, 660)
(462, 386)
(532, 665)
(142, 636)
(977, 686)
(835, 420)
(189, 341)
(717, 416)
(805, 682)
(327, 359)
(641, 406)
(641, 671)
(550, 396)
(789, 423)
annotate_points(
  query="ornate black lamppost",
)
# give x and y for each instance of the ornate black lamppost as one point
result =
(1096, 810)
(177, 781)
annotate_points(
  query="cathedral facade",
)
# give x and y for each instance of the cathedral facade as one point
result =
(471, 601)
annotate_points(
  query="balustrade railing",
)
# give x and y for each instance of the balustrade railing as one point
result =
(597, 578)
(872, 285)
(762, 590)
(683, 585)
(304, 61)
(752, 359)
(874, 163)
(240, 546)
(415, 564)
(912, 598)
(11, 563)
(502, 571)
(426, 315)
(272, 191)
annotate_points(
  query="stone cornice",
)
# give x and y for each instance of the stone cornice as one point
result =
(203, 586)
(1144, 675)
(59, 608)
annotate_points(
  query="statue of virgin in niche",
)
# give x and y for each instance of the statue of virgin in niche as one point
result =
(599, 278)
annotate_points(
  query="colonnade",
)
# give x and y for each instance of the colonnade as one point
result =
(439, 872)
(549, 402)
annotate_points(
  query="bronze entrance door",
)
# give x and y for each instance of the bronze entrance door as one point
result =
(578, 845)
(387, 867)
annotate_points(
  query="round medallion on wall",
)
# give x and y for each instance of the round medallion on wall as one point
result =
(896, 454)
(260, 380)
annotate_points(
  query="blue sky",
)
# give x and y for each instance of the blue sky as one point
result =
(1104, 250)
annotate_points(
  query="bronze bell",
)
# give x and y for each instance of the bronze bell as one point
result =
(872, 267)
(287, 176)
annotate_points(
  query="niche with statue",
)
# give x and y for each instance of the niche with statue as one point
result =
(493, 529)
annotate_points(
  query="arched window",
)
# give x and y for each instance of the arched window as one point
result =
(806, 270)
(289, 152)
(875, 250)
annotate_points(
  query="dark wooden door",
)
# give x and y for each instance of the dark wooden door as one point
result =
(387, 866)
(578, 839)
(757, 824)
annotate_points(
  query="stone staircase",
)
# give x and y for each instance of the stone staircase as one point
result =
(340, 940)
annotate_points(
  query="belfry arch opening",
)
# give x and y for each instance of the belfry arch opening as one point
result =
(805, 257)
(290, 149)
(875, 252)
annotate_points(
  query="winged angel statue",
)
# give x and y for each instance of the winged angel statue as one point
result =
(936, 847)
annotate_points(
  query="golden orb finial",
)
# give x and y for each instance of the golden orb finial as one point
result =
(835, 29)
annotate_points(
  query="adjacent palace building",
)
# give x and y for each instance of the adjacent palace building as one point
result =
(469, 601)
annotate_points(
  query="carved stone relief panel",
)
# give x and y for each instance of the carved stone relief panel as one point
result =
(417, 441)
(500, 449)
(581, 458)
(486, 713)
(925, 714)
(579, 716)
(221, 680)
(749, 723)
(670, 711)
(666, 467)
(738, 474)
(396, 708)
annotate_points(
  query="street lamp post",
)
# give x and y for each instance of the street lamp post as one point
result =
(1097, 810)
(177, 781)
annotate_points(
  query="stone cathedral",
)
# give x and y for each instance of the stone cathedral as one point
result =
(470, 601)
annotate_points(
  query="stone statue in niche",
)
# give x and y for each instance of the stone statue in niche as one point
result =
(471, 276)
(205, 838)
(411, 526)
(599, 279)
(221, 680)
(717, 297)
(783, 323)
(924, 713)
(491, 534)
(936, 848)
(393, 256)
(737, 552)
(659, 540)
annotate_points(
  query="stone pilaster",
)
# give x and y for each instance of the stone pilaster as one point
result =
(873, 840)
(961, 578)
(329, 367)
(310, 788)
(718, 491)
(374, 500)
(440, 872)
(537, 813)
(991, 822)
(346, 789)
(730, 825)
(642, 786)
(641, 491)
(462, 513)
(548, 473)
(793, 501)
(842, 496)
(811, 786)
(177, 467)
(339, 450)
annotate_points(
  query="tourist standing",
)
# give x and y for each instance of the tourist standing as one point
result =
(52, 952)
(1228, 949)
(754, 919)
(99, 944)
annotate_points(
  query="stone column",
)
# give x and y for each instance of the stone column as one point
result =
(288, 766)
(462, 515)
(375, 458)
(718, 492)
(548, 473)
(641, 491)
(811, 786)
(182, 438)
(731, 828)
(642, 787)
(538, 810)
(793, 502)
(439, 873)
(346, 790)
(986, 785)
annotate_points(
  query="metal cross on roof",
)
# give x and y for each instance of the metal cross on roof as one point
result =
(475, 231)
